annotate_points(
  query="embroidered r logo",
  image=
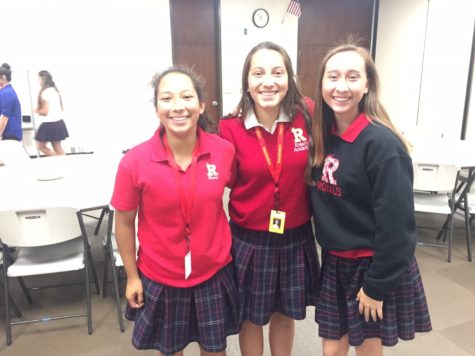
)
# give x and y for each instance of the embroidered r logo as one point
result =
(298, 135)
(329, 167)
(212, 174)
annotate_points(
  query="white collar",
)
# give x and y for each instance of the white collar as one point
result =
(251, 121)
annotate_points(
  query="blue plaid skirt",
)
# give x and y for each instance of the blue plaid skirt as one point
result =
(275, 273)
(405, 309)
(173, 317)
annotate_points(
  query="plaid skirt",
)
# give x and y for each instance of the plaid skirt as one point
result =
(275, 273)
(52, 131)
(173, 317)
(405, 309)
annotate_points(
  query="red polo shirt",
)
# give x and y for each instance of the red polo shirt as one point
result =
(145, 181)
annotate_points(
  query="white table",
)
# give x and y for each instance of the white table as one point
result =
(456, 152)
(444, 151)
(82, 181)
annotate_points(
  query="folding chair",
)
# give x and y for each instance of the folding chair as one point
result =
(113, 260)
(47, 241)
(6, 294)
(99, 218)
(465, 200)
(468, 209)
(434, 193)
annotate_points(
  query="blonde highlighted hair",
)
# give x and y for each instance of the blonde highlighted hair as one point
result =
(369, 104)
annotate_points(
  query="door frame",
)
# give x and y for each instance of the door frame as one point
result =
(218, 57)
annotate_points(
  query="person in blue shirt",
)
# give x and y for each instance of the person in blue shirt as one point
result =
(10, 109)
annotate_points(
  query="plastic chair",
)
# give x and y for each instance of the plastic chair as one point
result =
(468, 209)
(6, 294)
(99, 218)
(465, 200)
(113, 261)
(434, 193)
(47, 241)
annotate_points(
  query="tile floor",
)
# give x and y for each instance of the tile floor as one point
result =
(450, 289)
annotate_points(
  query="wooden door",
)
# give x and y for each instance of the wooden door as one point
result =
(325, 24)
(195, 43)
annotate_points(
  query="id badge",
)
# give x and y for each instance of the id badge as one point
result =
(277, 221)
(187, 264)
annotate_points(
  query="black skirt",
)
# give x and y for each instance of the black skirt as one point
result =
(52, 131)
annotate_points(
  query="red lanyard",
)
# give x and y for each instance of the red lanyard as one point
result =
(186, 200)
(276, 170)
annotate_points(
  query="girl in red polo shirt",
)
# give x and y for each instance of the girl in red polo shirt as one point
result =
(371, 291)
(181, 287)
(274, 249)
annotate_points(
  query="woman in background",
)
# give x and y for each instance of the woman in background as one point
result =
(274, 249)
(50, 108)
(371, 291)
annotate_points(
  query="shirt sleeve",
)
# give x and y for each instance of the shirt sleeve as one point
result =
(225, 132)
(51, 96)
(7, 104)
(126, 194)
(395, 235)
(46, 94)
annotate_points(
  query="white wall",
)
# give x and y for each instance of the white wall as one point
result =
(423, 53)
(399, 56)
(236, 21)
(102, 55)
(446, 65)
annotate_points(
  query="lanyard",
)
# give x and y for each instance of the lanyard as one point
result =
(276, 170)
(186, 200)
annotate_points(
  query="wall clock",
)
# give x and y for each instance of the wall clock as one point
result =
(260, 18)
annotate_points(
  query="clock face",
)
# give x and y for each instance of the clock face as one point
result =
(260, 18)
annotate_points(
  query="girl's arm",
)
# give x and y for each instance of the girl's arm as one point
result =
(395, 235)
(125, 237)
(43, 108)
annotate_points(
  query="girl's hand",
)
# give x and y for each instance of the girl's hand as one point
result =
(369, 306)
(134, 293)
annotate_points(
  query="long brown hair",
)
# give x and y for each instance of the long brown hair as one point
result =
(369, 104)
(293, 100)
(47, 82)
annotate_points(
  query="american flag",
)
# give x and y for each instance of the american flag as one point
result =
(294, 8)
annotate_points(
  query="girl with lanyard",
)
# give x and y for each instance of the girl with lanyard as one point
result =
(181, 288)
(371, 291)
(274, 249)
